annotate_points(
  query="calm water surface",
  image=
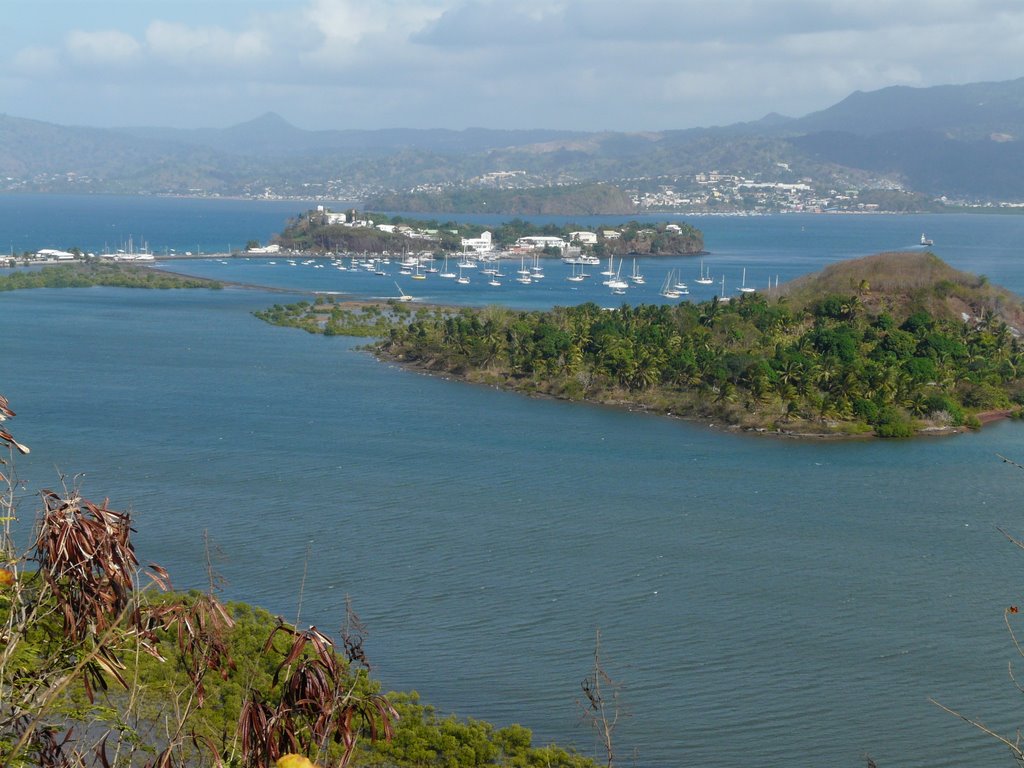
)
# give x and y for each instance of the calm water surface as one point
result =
(760, 600)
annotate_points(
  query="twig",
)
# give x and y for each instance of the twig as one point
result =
(1014, 747)
(302, 584)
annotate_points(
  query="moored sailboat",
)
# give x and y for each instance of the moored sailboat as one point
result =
(705, 277)
(668, 288)
(636, 277)
(744, 288)
(447, 273)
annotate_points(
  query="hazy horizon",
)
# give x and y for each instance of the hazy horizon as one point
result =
(586, 65)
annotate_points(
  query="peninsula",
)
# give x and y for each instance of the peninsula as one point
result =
(887, 345)
(93, 273)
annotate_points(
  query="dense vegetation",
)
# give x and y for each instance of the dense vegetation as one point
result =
(102, 664)
(653, 240)
(332, 319)
(310, 233)
(934, 350)
(84, 275)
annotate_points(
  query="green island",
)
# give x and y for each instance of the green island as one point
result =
(322, 231)
(103, 663)
(888, 345)
(95, 273)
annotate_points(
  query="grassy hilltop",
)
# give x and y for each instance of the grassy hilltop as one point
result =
(902, 283)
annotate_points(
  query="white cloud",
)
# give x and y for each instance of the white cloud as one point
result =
(36, 60)
(348, 29)
(197, 46)
(650, 64)
(104, 47)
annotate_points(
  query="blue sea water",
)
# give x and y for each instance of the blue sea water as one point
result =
(95, 223)
(760, 600)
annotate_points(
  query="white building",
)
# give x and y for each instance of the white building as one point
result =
(348, 219)
(482, 244)
(586, 238)
(540, 242)
(51, 254)
(272, 248)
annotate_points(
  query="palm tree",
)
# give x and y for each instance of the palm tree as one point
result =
(827, 371)
(852, 307)
(709, 312)
(791, 372)
(726, 393)
(916, 402)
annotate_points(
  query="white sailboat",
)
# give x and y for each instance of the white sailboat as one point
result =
(705, 277)
(523, 272)
(402, 295)
(460, 278)
(446, 273)
(636, 277)
(744, 288)
(680, 285)
(617, 284)
(536, 271)
(668, 288)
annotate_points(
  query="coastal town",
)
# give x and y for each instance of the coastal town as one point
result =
(706, 192)
(714, 192)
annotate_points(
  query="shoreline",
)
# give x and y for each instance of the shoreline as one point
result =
(985, 417)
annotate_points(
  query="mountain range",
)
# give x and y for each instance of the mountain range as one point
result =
(964, 142)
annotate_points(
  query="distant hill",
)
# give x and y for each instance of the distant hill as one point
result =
(271, 134)
(928, 161)
(956, 140)
(967, 112)
(34, 147)
(961, 141)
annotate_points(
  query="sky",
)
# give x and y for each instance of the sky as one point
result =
(595, 65)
